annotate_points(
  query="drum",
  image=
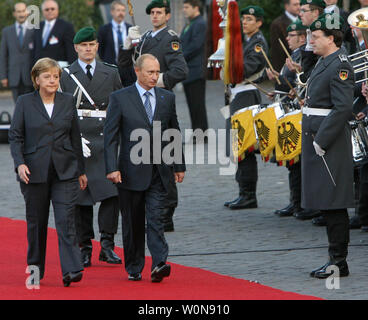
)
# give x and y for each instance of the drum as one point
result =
(359, 139)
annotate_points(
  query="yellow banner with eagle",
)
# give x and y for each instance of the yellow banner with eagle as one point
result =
(289, 137)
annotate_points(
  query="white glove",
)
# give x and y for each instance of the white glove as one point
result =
(318, 149)
(160, 81)
(86, 150)
(133, 34)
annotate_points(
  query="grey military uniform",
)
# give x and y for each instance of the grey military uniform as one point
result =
(105, 80)
(166, 47)
(330, 86)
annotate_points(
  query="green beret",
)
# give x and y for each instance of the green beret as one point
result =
(318, 3)
(253, 10)
(328, 22)
(157, 4)
(85, 35)
(297, 25)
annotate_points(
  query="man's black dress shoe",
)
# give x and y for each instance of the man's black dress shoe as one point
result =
(354, 222)
(286, 209)
(135, 277)
(290, 212)
(227, 203)
(319, 221)
(72, 277)
(86, 257)
(307, 214)
(160, 272)
(109, 256)
(246, 201)
(322, 273)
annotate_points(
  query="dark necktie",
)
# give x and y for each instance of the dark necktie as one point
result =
(148, 106)
(89, 74)
(20, 36)
(120, 37)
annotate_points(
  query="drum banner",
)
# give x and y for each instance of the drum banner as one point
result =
(265, 125)
(245, 140)
(289, 138)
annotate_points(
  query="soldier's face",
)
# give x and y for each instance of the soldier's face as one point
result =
(321, 43)
(308, 15)
(293, 7)
(250, 24)
(293, 39)
(330, 2)
(159, 18)
(48, 81)
(87, 50)
(148, 74)
(118, 13)
(50, 10)
(20, 12)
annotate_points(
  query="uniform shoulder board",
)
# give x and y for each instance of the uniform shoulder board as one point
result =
(343, 58)
(172, 33)
(110, 65)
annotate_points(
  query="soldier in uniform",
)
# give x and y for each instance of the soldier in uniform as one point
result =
(246, 95)
(327, 163)
(98, 80)
(164, 44)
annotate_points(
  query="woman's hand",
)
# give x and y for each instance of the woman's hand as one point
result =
(83, 181)
(23, 173)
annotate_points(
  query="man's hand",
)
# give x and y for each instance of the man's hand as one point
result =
(179, 177)
(318, 149)
(83, 182)
(23, 173)
(364, 90)
(5, 83)
(114, 177)
(133, 34)
(272, 75)
(293, 66)
(360, 116)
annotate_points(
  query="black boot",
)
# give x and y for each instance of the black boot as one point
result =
(247, 200)
(167, 219)
(322, 272)
(86, 254)
(228, 203)
(107, 253)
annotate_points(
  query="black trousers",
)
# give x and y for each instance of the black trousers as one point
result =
(136, 207)
(195, 93)
(63, 195)
(20, 89)
(247, 174)
(108, 219)
(295, 183)
(337, 233)
(363, 196)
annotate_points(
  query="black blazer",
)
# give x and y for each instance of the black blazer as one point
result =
(106, 49)
(36, 140)
(125, 114)
(63, 50)
(193, 43)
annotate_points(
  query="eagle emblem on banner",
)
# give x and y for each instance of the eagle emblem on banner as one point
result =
(288, 137)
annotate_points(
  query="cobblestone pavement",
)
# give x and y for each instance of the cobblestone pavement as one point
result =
(248, 244)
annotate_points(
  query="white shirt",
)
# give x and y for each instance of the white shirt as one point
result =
(152, 96)
(83, 66)
(115, 35)
(154, 33)
(24, 28)
(309, 47)
(49, 108)
(51, 24)
(291, 16)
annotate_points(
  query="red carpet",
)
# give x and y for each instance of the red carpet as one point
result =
(105, 282)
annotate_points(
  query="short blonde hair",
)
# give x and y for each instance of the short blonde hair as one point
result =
(41, 66)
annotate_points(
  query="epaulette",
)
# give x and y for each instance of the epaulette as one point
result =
(172, 32)
(110, 65)
(343, 58)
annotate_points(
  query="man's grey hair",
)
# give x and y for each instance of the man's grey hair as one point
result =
(42, 5)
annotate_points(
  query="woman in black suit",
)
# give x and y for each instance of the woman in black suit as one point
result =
(45, 144)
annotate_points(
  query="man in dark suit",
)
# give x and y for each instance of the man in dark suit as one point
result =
(111, 36)
(193, 39)
(278, 31)
(54, 39)
(15, 54)
(165, 45)
(143, 182)
(99, 80)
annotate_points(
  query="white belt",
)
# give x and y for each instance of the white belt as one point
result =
(316, 112)
(91, 113)
(4, 126)
(242, 87)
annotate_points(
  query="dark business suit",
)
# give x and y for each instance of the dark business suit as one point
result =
(193, 40)
(106, 49)
(51, 149)
(15, 60)
(62, 49)
(144, 186)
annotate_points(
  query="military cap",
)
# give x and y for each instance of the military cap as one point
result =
(328, 21)
(84, 35)
(253, 10)
(297, 25)
(318, 3)
(157, 4)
